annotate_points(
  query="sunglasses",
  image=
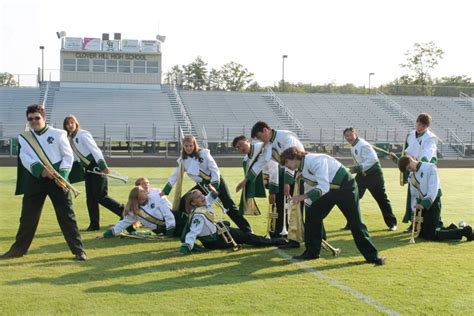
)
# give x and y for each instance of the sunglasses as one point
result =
(35, 118)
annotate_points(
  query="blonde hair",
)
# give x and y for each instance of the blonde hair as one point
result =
(132, 206)
(190, 197)
(190, 139)
(68, 118)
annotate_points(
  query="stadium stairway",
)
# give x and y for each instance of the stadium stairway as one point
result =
(392, 112)
(285, 119)
(47, 92)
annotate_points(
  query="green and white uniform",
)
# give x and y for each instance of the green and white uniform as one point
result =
(267, 178)
(54, 145)
(155, 214)
(203, 170)
(370, 177)
(422, 147)
(202, 226)
(426, 190)
(90, 156)
(327, 183)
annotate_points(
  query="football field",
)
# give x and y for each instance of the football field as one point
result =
(124, 276)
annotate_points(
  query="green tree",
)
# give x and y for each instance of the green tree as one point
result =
(214, 80)
(235, 77)
(421, 60)
(174, 75)
(195, 74)
(7, 80)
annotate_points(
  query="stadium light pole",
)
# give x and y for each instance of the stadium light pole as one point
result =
(370, 75)
(42, 63)
(283, 72)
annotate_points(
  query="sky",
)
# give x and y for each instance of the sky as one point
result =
(332, 41)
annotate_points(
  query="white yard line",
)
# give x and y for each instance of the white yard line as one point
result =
(362, 297)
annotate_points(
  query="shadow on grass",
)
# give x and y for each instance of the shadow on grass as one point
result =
(195, 271)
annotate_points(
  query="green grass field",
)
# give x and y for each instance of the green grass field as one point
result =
(125, 276)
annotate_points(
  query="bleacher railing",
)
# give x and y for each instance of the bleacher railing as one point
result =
(466, 98)
(182, 109)
(297, 125)
(456, 143)
(397, 107)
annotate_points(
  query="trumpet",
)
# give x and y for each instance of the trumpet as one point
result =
(62, 183)
(272, 218)
(223, 230)
(327, 246)
(96, 170)
(416, 228)
(286, 212)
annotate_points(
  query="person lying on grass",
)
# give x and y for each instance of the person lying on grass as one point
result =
(211, 232)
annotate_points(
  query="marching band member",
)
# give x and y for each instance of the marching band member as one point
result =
(421, 145)
(275, 142)
(89, 155)
(202, 226)
(327, 183)
(426, 195)
(45, 161)
(201, 167)
(256, 188)
(369, 175)
(180, 217)
(152, 210)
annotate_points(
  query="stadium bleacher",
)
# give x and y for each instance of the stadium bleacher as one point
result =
(124, 114)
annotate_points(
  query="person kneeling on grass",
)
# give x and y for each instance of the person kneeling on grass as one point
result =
(202, 226)
(153, 212)
(426, 195)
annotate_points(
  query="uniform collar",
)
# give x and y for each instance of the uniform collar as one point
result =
(418, 135)
(300, 168)
(41, 132)
(251, 152)
(274, 134)
(355, 142)
(418, 165)
(75, 133)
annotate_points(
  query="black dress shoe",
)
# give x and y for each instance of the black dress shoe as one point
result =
(452, 226)
(92, 228)
(379, 261)
(81, 256)
(467, 232)
(409, 229)
(10, 254)
(306, 255)
(345, 227)
(279, 241)
(290, 244)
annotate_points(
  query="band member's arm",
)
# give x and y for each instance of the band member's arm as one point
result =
(368, 158)
(258, 165)
(428, 150)
(215, 173)
(292, 141)
(95, 150)
(67, 156)
(271, 168)
(170, 222)
(196, 227)
(322, 178)
(127, 221)
(171, 180)
(211, 197)
(29, 159)
(433, 188)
